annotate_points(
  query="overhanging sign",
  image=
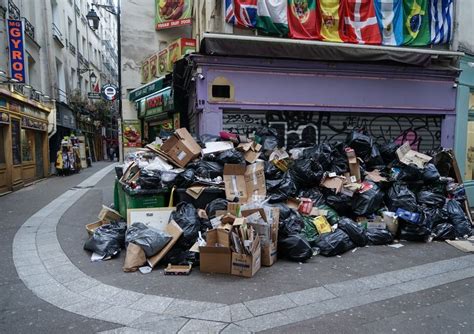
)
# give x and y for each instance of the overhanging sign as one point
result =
(109, 92)
(17, 49)
(158, 103)
(94, 96)
(146, 90)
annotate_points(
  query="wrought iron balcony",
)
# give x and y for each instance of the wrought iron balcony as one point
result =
(29, 29)
(81, 58)
(58, 36)
(72, 48)
(13, 11)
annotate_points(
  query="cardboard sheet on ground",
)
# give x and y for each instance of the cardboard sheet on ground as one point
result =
(175, 231)
(156, 218)
(466, 246)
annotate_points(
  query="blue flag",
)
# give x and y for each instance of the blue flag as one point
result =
(390, 19)
(441, 21)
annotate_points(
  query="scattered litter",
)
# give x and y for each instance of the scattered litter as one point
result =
(396, 245)
(145, 270)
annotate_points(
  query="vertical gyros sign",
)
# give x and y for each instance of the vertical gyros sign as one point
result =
(173, 13)
(17, 49)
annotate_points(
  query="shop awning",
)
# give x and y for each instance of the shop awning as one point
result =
(285, 48)
(150, 88)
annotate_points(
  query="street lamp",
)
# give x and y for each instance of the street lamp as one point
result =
(94, 20)
(93, 78)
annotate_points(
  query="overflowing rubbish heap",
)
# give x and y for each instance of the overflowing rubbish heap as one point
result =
(243, 202)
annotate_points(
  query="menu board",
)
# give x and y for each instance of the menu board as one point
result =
(16, 142)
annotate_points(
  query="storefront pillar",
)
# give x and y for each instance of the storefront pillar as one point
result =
(447, 131)
(210, 121)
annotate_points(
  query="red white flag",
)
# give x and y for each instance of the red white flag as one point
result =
(361, 22)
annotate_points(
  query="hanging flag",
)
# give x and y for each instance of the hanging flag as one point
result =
(361, 24)
(331, 25)
(441, 21)
(241, 13)
(272, 17)
(416, 25)
(390, 19)
(304, 20)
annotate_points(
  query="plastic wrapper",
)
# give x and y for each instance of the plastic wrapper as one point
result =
(378, 236)
(399, 196)
(158, 164)
(354, 231)
(207, 138)
(185, 179)
(168, 178)
(230, 157)
(336, 243)
(443, 232)
(314, 194)
(149, 239)
(332, 216)
(307, 172)
(458, 219)
(430, 173)
(367, 202)
(216, 205)
(108, 239)
(309, 230)
(187, 218)
(295, 248)
(207, 169)
(431, 199)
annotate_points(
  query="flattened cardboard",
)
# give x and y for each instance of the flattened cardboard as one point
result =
(408, 156)
(216, 259)
(335, 183)
(234, 180)
(255, 179)
(181, 148)
(156, 218)
(195, 191)
(251, 151)
(375, 176)
(175, 231)
(246, 265)
(216, 147)
(108, 214)
(270, 250)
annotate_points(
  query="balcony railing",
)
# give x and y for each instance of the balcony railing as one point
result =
(76, 8)
(72, 48)
(81, 58)
(13, 11)
(29, 29)
(57, 35)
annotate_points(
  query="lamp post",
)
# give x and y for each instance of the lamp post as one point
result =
(94, 20)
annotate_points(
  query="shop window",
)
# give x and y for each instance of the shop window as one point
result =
(221, 89)
(16, 142)
(27, 145)
(3, 130)
(469, 175)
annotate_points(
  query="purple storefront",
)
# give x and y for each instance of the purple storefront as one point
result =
(407, 97)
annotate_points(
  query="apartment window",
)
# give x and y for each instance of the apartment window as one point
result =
(70, 31)
(90, 50)
(27, 145)
(73, 78)
(84, 46)
(55, 10)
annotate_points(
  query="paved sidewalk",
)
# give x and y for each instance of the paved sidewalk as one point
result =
(48, 256)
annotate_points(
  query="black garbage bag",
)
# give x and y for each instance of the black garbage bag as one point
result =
(187, 218)
(272, 172)
(378, 236)
(341, 203)
(336, 243)
(458, 219)
(375, 160)
(108, 239)
(435, 216)
(207, 169)
(285, 210)
(361, 143)
(410, 173)
(443, 232)
(415, 232)
(150, 240)
(314, 194)
(399, 196)
(180, 256)
(281, 190)
(321, 153)
(354, 231)
(292, 225)
(388, 151)
(267, 137)
(149, 180)
(185, 179)
(442, 160)
(369, 201)
(230, 157)
(207, 138)
(430, 173)
(307, 172)
(217, 204)
(295, 248)
(431, 199)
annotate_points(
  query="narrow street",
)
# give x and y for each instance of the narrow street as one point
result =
(419, 288)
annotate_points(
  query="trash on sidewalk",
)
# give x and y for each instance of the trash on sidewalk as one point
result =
(242, 201)
(178, 270)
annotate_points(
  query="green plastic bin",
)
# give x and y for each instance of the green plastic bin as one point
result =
(131, 199)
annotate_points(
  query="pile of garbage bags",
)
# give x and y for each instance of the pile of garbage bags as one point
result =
(332, 197)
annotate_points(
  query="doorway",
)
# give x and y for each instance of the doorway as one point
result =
(39, 154)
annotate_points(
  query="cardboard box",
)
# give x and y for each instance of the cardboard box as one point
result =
(156, 218)
(107, 214)
(270, 250)
(175, 231)
(247, 265)
(408, 156)
(216, 147)
(234, 180)
(251, 151)
(180, 148)
(216, 256)
(335, 183)
(255, 179)
(354, 167)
